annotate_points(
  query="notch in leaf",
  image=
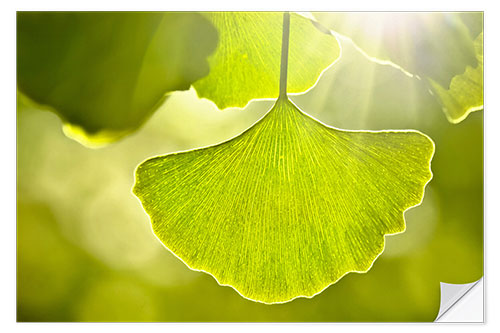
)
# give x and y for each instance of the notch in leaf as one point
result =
(289, 206)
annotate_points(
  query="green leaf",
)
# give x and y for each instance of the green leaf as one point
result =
(434, 45)
(442, 242)
(289, 206)
(246, 63)
(465, 94)
(103, 73)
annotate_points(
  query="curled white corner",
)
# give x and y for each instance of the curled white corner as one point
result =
(461, 303)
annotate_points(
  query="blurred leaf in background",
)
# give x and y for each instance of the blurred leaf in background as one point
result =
(104, 73)
(465, 94)
(435, 45)
(444, 49)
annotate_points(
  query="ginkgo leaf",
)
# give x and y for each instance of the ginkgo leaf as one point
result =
(443, 240)
(289, 206)
(465, 94)
(434, 45)
(246, 63)
(103, 73)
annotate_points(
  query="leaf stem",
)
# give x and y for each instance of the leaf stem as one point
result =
(284, 55)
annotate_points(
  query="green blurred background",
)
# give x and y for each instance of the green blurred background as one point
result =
(86, 251)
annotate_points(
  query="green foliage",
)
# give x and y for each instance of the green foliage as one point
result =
(246, 63)
(288, 207)
(465, 94)
(442, 242)
(436, 47)
(141, 281)
(421, 43)
(103, 73)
